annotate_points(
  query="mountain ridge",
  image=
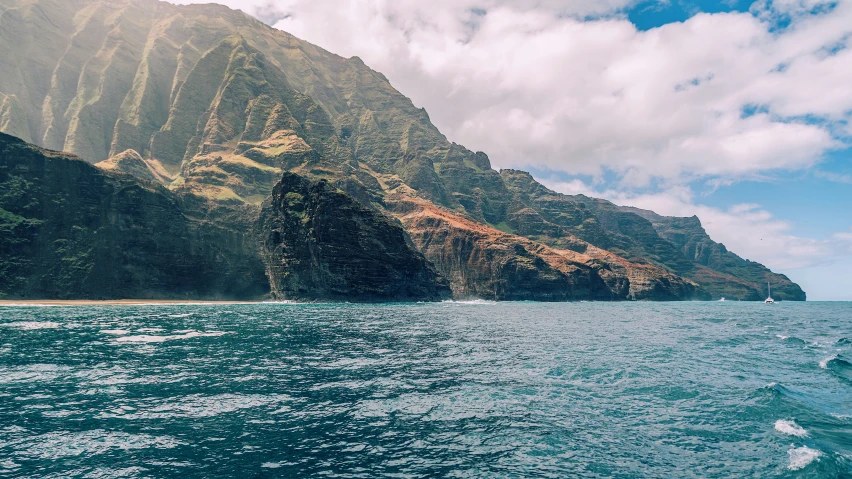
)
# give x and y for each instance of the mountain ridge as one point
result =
(216, 106)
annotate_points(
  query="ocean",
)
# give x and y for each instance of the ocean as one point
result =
(454, 389)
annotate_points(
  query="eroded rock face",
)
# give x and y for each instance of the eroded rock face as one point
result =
(215, 105)
(722, 272)
(483, 262)
(69, 230)
(678, 244)
(130, 162)
(321, 244)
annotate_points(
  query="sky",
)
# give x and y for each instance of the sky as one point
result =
(736, 111)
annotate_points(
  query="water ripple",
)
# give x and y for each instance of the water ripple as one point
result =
(455, 389)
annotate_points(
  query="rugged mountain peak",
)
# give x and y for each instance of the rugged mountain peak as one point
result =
(722, 272)
(132, 163)
(218, 105)
(236, 124)
(13, 118)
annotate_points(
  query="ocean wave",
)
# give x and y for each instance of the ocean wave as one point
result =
(149, 338)
(790, 428)
(32, 373)
(771, 389)
(27, 305)
(198, 406)
(836, 362)
(56, 445)
(824, 363)
(115, 332)
(843, 342)
(470, 301)
(31, 325)
(838, 365)
(800, 457)
(790, 339)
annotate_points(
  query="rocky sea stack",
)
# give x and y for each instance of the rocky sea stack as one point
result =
(320, 243)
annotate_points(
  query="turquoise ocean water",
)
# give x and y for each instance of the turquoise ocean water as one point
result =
(427, 390)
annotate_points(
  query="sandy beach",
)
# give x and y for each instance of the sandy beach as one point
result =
(110, 302)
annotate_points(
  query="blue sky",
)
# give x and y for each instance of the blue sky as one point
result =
(736, 111)
(651, 14)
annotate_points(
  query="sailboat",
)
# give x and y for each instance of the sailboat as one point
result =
(769, 299)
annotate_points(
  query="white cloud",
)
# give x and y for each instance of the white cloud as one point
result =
(845, 238)
(536, 83)
(832, 176)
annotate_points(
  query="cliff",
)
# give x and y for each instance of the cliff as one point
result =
(723, 272)
(69, 230)
(216, 106)
(483, 262)
(680, 245)
(320, 243)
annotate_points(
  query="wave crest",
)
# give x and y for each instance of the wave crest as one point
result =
(149, 338)
(800, 457)
(31, 325)
(790, 428)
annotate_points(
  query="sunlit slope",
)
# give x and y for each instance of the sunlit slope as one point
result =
(213, 103)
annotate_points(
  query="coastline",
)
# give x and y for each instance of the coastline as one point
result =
(111, 302)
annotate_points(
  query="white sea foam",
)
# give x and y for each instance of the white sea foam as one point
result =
(824, 363)
(115, 332)
(32, 373)
(782, 337)
(8, 464)
(800, 457)
(470, 301)
(271, 465)
(790, 428)
(56, 445)
(148, 338)
(196, 406)
(28, 305)
(30, 325)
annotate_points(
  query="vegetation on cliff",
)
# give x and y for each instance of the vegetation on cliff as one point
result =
(69, 230)
(215, 106)
(320, 243)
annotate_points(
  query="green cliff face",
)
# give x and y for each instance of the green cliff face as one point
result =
(216, 106)
(69, 230)
(320, 243)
